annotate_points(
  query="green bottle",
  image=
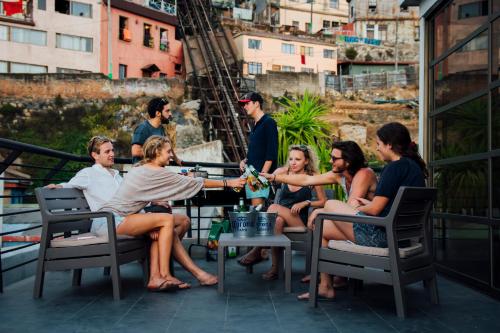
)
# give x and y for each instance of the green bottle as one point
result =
(262, 180)
(241, 205)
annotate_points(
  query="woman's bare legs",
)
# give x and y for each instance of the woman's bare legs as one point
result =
(182, 224)
(180, 254)
(333, 230)
(284, 219)
(140, 224)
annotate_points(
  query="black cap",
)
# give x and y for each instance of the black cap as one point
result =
(251, 96)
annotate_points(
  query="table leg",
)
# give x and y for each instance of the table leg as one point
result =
(288, 269)
(221, 268)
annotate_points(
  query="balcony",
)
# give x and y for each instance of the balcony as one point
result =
(17, 11)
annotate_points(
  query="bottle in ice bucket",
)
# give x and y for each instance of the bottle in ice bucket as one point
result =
(241, 206)
(254, 180)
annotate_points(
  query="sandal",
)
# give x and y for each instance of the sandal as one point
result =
(269, 276)
(243, 261)
(165, 286)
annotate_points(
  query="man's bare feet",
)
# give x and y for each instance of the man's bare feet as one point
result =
(306, 279)
(328, 294)
(270, 275)
(207, 279)
(251, 258)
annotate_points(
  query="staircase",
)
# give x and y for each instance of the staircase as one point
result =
(215, 76)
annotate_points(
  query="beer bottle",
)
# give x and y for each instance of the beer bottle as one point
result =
(262, 180)
(241, 205)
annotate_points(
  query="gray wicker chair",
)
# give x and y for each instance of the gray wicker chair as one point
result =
(396, 266)
(66, 211)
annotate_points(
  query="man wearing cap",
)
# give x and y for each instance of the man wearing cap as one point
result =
(159, 114)
(262, 152)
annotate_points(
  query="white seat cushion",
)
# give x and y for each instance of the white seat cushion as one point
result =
(83, 239)
(348, 246)
(295, 229)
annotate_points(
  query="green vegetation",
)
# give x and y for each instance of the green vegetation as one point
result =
(351, 53)
(301, 122)
(63, 128)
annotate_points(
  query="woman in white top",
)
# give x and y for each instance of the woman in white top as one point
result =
(150, 181)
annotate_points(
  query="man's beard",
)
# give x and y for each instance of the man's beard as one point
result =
(165, 121)
(339, 170)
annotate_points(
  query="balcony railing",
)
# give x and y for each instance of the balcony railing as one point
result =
(18, 12)
(54, 167)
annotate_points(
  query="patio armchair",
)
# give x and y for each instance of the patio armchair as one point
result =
(302, 237)
(408, 221)
(67, 244)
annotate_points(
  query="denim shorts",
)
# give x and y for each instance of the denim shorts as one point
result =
(263, 193)
(368, 234)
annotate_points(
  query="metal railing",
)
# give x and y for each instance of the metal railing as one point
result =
(343, 83)
(57, 166)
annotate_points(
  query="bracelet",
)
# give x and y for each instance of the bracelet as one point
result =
(224, 181)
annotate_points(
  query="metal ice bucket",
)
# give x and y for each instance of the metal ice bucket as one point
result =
(242, 224)
(265, 224)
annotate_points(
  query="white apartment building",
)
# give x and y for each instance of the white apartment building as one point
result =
(322, 13)
(48, 36)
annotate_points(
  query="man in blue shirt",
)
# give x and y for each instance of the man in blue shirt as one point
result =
(159, 114)
(262, 154)
(263, 143)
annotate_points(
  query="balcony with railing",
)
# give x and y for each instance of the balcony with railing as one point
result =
(248, 305)
(17, 11)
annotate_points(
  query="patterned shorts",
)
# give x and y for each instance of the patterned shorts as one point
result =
(369, 235)
(263, 193)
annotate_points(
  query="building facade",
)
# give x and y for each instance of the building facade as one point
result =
(64, 36)
(143, 42)
(384, 20)
(460, 132)
(49, 36)
(262, 52)
(324, 14)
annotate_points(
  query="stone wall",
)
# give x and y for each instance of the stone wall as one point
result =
(276, 84)
(84, 86)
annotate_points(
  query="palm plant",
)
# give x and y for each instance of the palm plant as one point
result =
(300, 122)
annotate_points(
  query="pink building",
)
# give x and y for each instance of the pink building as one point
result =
(143, 42)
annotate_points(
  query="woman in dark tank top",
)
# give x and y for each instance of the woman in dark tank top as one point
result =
(293, 203)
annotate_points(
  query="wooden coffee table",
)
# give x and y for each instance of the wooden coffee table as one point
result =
(228, 239)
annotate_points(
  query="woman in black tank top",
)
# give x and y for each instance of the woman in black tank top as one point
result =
(293, 202)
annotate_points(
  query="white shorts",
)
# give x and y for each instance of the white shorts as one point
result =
(100, 226)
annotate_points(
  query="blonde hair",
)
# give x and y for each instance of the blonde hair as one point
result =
(152, 146)
(310, 168)
(95, 143)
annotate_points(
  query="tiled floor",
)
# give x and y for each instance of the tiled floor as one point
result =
(249, 305)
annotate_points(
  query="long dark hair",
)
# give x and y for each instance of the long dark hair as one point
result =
(352, 154)
(398, 136)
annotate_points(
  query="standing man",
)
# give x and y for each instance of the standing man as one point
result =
(263, 143)
(159, 114)
(262, 154)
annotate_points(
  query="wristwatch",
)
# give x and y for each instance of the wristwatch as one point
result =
(308, 203)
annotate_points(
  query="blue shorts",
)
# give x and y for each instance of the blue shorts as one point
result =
(368, 234)
(263, 193)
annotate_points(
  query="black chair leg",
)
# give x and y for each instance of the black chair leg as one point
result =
(77, 277)
(400, 300)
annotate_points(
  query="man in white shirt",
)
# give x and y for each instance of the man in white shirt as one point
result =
(99, 184)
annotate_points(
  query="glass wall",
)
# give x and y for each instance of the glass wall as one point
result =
(464, 137)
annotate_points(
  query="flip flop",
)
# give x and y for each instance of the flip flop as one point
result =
(305, 279)
(165, 286)
(184, 285)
